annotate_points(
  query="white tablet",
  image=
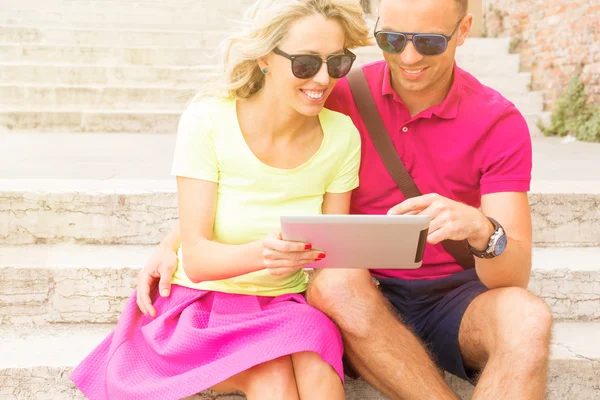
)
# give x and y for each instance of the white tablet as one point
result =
(361, 241)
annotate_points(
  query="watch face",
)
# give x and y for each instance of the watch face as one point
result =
(500, 245)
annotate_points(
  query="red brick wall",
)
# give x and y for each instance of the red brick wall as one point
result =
(553, 37)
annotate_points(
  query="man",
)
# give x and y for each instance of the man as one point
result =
(469, 150)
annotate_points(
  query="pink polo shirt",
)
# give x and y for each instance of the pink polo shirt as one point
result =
(474, 143)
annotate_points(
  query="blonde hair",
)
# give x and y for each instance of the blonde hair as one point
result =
(266, 23)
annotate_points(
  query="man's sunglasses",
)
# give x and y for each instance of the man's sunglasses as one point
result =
(305, 66)
(426, 44)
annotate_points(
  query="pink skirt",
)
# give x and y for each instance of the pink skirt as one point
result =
(201, 338)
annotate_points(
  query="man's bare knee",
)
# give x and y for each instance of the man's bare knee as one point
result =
(348, 297)
(530, 323)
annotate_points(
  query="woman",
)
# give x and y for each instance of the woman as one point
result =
(264, 147)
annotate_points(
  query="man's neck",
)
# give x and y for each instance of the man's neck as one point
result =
(417, 102)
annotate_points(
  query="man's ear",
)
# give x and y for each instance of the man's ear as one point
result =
(464, 29)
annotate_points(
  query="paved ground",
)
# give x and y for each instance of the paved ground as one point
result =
(148, 156)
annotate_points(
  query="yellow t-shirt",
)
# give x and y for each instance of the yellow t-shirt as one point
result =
(251, 195)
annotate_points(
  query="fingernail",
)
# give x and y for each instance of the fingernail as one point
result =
(321, 256)
(307, 246)
(164, 292)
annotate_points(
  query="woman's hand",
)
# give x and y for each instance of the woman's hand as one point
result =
(282, 257)
(158, 269)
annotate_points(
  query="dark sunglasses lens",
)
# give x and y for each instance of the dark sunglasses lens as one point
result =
(305, 67)
(391, 42)
(430, 45)
(339, 66)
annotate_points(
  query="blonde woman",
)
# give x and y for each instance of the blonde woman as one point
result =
(236, 318)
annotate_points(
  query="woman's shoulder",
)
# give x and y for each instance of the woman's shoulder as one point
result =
(339, 126)
(208, 107)
(203, 116)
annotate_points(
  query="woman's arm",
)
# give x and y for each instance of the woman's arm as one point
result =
(206, 260)
(203, 259)
(336, 203)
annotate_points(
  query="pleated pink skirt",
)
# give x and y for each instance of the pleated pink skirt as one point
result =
(201, 338)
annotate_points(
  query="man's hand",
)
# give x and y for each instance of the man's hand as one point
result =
(159, 269)
(449, 219)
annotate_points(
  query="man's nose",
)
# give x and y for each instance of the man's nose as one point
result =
(410, 55)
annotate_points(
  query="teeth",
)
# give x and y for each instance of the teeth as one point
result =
(313, 95)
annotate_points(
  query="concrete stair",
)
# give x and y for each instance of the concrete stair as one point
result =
(141, 212)
(89, 84)
(135, 97)
(172, 15)
(38, 363)
(74, 283)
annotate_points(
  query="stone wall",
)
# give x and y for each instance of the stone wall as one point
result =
(555, 38)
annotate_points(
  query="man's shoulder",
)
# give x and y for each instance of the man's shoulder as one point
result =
(480, 95)
(341, 98)
(374, 70)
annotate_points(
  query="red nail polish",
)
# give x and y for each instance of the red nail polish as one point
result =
(307, 246)
(321, 256)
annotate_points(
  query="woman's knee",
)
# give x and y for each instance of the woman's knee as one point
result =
(275, 375)
(311, 363)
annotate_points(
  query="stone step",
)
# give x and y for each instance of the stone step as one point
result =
(159, 119)
(174, 76)
(107, 55)
(69, 283)
(128, 15)
(56, 97)
(138, 157)
(201, 37)
(37, 364)
(77, 120)
(108, 37)
(477, 64)
(141, 212)
(110, 75)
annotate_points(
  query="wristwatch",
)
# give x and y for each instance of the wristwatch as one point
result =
(496, 244)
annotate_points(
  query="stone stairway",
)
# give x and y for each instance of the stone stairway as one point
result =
(90, 94)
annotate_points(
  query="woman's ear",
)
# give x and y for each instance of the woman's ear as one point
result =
(263, 64)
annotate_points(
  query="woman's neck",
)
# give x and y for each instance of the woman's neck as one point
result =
(272, 117)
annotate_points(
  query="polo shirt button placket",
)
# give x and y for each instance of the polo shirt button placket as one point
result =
(405, 129)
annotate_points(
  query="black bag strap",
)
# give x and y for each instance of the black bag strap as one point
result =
(387, 152)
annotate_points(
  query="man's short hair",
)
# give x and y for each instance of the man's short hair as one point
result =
(462, 6)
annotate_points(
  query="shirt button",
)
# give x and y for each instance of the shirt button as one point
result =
(405, 129)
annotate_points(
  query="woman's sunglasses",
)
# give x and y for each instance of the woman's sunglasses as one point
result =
(426, 44)
(306, 66)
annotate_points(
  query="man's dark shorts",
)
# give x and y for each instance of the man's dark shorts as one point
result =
(433, 309)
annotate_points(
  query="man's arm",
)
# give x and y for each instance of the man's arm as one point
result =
(513, 266)
(457, 221)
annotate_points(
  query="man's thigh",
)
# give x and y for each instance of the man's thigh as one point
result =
(434, 309)
(501, 318)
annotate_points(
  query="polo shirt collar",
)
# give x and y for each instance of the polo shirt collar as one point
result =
(447, 109)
